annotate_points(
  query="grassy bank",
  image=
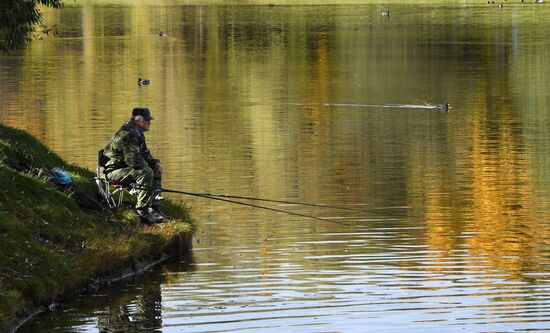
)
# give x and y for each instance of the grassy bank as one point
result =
(55, 241)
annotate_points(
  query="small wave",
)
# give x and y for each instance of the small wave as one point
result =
(395, 106)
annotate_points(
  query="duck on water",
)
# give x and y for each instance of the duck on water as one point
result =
(143, 81)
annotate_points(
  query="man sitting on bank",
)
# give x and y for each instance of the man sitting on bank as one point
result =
(131, 162)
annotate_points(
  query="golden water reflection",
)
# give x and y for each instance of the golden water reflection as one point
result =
(243, 99)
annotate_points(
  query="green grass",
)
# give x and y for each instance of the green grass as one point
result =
(51, 247)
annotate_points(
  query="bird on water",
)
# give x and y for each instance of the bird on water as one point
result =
(143, 81)
(443, 107)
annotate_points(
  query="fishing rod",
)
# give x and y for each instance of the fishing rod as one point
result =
(262, 207)
(228, 196)
(207, 196)
(292, 203)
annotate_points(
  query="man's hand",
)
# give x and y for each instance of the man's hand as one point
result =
(158, 167)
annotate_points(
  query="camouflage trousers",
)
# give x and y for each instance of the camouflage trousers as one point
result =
(146, 177)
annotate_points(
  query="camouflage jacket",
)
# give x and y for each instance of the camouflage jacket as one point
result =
(127, 148)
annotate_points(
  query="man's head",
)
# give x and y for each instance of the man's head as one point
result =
(142, 118)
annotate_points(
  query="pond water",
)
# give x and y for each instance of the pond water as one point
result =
(323, 104)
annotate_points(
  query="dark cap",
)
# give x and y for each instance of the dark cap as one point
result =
(144, 112)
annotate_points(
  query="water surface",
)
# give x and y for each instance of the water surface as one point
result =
(290, 102)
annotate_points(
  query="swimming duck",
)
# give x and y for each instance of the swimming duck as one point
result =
(443, 107)
(162, 34)
(386, 13)
(143, 81)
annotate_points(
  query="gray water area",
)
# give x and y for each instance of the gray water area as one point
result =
(328, 104)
